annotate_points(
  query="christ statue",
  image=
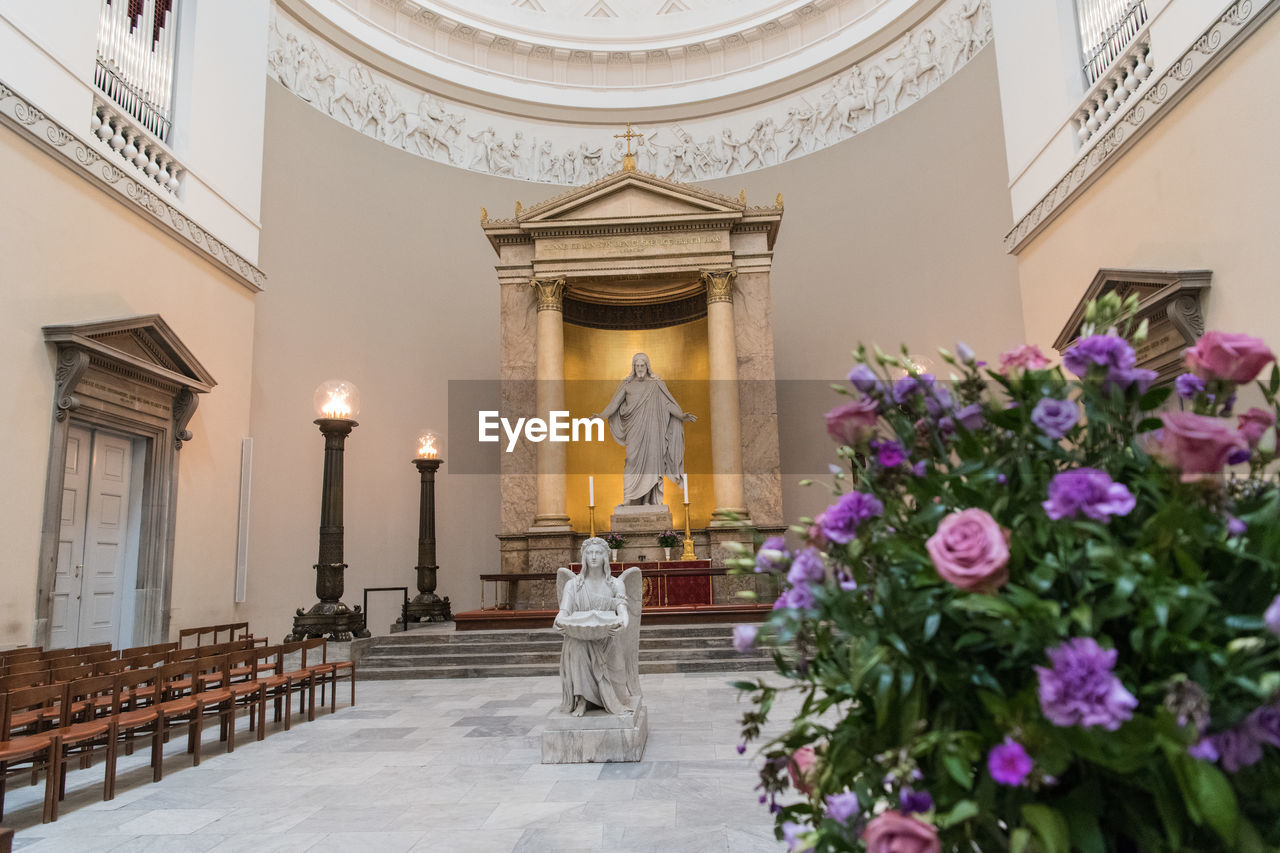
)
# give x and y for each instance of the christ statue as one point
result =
(647, 420)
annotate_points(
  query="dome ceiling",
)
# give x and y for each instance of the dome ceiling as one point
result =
(538, 89)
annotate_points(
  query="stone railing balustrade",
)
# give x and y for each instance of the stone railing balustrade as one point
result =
(136, 146)
(1128, 74)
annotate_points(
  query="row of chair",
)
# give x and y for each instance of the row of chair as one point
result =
(43, 726)
(209, 634)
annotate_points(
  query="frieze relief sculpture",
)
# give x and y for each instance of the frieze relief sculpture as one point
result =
(600, 620)
(645, 419)
(842, 106)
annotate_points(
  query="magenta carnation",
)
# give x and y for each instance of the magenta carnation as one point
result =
(1009, 763)
(1235, 358)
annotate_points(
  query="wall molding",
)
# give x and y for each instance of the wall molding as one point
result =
(1228, 31)
(861, 95)
(77, 154)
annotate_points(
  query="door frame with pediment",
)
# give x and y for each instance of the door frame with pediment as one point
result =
(134, 377)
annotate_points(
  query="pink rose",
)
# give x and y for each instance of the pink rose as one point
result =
(1254, 423)
(1026, 357)
(1197, 444)
(894, 832)
(1235, 358)
(971, 551)
(853, 422)
(801, 766)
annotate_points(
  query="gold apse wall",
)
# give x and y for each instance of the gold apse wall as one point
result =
(595, 361)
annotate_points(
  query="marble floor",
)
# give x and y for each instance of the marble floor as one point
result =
(430, 765)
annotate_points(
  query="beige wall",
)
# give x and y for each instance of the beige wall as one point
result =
(379, 273)
(71, 255)
(1200, 191)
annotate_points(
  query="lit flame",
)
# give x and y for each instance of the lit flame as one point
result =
(337, 406)
(427, 447)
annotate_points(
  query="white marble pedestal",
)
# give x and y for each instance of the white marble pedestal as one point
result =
(595, 737)
(640, 519)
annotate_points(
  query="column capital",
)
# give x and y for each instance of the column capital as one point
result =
(550, 292)
(719, 285)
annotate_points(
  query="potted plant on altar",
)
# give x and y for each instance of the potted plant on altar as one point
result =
(668, 539)
(614, 541)
(1041, 612)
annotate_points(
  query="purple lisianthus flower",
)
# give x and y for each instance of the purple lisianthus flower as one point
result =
(846, 581)
(1272, 616)
(864, 379)
(797, 598)
(965, 353)
(773, 555)
(1108, 351)
(1088, 491)
(791, 833)
(1126, 376)
(889, 453)
(1264, 724)
(1238, 456)
(840, 521)
(1009, 763)
(938, 400)
(905, 388)
(970, 417)
(911, 800)
(1235, 527)
(1002, 478)
(807, 568)
(842, 807)
(919, 468)
(1055, 418)
(1188, 385)
(744, 638)
(1237, 748)
(1205, 750)
(1081, 690)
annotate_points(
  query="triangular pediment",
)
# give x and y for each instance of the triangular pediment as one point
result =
(144, 342)
(632, 196)
(1152, 287)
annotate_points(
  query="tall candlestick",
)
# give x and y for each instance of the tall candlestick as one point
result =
(591, 491)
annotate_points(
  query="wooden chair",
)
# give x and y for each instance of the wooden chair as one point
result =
(40, 749)
(327, 673)
(136, 711)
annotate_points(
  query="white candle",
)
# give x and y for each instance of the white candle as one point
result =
(684, 478)
(591, 491)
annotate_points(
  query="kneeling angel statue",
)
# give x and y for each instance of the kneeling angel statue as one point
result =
(600, 620)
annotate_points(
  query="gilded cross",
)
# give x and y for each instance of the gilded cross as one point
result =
(629, 135)
(629, 160)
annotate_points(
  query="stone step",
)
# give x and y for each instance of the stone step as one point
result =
(437, 637)
(372, 673)
(541, 645)
(466, 658)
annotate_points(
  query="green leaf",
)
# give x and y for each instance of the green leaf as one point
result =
(960, 770)
(931, 625)
(1049, 826)
(1154, 398)
(1020, 840)
(1273, 385)
(1217, 800)
(962, 811)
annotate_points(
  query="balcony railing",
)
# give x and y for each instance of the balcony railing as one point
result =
(136, 45)
(1107, 27)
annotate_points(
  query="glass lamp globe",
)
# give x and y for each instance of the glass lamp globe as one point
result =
(428, 445)
(337, 399)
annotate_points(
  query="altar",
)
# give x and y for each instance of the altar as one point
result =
(637, 276)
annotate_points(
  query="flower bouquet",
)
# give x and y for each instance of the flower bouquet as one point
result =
(668, 539)
(614, 541)
(1041, 613)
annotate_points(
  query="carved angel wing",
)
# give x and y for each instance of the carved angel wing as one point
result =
(563, 576)
(633, 582)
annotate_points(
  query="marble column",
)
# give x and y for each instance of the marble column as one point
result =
(550, 396)
(726, 435)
